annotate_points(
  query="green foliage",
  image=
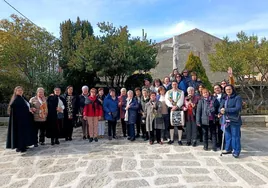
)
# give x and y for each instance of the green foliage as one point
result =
(137, 80)
(194, 64)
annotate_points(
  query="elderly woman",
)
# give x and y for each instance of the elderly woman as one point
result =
(39, 105)
(122, 102)
(101, 124)
(154, 119)
(231, 121)
(207, 110)
(165, 114)
(82, 102)
(131, 109)
(144, 99)
(190, 104)
(57, 114)
(93, 113)
(20, 129)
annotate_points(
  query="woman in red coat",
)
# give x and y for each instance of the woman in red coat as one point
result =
(93, 113)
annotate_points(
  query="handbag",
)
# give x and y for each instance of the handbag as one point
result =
(60, 115)
(114, 114)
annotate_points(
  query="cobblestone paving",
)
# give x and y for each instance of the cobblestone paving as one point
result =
(120, 163)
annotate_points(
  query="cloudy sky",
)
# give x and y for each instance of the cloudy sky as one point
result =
(161, 19)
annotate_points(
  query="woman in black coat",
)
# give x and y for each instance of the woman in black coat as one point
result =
(20, 128)
(57, 115)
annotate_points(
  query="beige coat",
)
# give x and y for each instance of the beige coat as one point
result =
(153, 113)
(41, 110)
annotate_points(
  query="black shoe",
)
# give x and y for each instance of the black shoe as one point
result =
(57, 142)
(110, 138)
(235, 155)
(70, 139)
(224, 152)
(18, 150)
(214, 149)
(170, 142)
(137, 135)
(205, 148)
(36, 145)
(84, 137)
(201, 140)
(52, 142)
(125, 135)
(96, 139)
(180, 143)
(132, 139)
(188, 143)
(194, 144)
(42, 143)
(146, 139)
(218, 145)
(23, 150)
(90, 139)
(66, 139)
(129, 138)
(115, 137)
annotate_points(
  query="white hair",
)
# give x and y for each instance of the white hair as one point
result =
(84, 87)
(40, 88)
(130, 92)
(123, 89)
(190, 89)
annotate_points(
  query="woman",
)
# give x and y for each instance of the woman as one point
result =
(82, 102)
(57, 115)
(144, 99)
(156, 84)
(139, 114)
(231, 120)
(131, 109)
(207, 109)
(122, 102)
(93, 113)
(190, 105)
(199, 95)
(111, 113)
(167, 83)
(173, 75)
(165, 114)
(20, 128)
(101, 124)
(154, 119)
(72, 110)
(39, 103)
(181, 84)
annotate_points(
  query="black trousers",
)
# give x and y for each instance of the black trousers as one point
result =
(138, 123)
(155, 135)
(219, 132)
(69, 128)
(112, 128)
(200, 132)
(165, 132)
(212, 128)
(124, 126)
(40, 128)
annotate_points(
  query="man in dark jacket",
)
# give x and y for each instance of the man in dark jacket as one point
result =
(82, 102)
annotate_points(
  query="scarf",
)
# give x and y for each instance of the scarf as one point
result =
(128, 103)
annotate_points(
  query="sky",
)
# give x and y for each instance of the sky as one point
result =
(161, 19)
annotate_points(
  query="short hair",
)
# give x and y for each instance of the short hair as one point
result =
(153, 93)
(137, 89)
(193, 74)
(145, 89)
(93, 89)
(190, 89)
(111, 90)
(130, 91)
(205, 90)
(178, 75)
(161, 88)
(219, 85)
(100, 89)
(123, 89)
(85, 87)
(56, 87)
(40, 88)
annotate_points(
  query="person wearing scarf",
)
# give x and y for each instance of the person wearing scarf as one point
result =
(139, 115)
(174, 100)
(122, 102)
(101, 124)
(154, 119)
(39, 104)
(207, 110)
(190, 105)
(93, 113)
(231, 121)
(82, 102)
(131, 110)
(144, 99)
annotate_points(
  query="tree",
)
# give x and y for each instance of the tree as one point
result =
(73, 34)
(194, 64)
(26, 51)
(248, 56)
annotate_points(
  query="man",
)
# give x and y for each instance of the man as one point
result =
(174, 99)
(185, 76)
(82, 102)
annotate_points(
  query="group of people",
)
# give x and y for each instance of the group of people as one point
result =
(155, 110)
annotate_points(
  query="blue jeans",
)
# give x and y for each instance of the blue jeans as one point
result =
(131, 129)
(232, 138)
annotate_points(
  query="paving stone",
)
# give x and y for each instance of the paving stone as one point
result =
(25, 162)
(82, 164)
(151, 156)
(44, 163)
(42, 182)
(197, 170)
(4, 180)
(67, 161)
(161, 150)
(8, 171)
(18, 184)
(57, 169)
(166, 180)
(132, 184)
(67, 178)
(26, 173)
(167, 171)
(180, 163)
(100, 180)
(207, 153)
(195, 179)
(147, 164)
(259, 169)
(215, 186)
(181, 149)
(125, 154)
(231, 159)
(125, 175)
(7, 165)
(6, 159)
(225, 175)
(212, 162)
(249, 177)
(130, 164)
(181, 156)
(146, 173)
(116, 165)
(96, 167)
(48, 151)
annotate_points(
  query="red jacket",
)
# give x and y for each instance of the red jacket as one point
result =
(93, 109)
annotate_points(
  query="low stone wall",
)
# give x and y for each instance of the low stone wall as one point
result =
(255, 121)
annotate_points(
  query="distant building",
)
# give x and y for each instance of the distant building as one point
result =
(201, 44)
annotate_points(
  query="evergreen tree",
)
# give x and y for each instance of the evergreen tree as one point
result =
(194, 64)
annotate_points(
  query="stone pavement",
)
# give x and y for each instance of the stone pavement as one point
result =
(120, 163)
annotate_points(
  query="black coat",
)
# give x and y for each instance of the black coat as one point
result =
(20, 129)
(55, 127)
